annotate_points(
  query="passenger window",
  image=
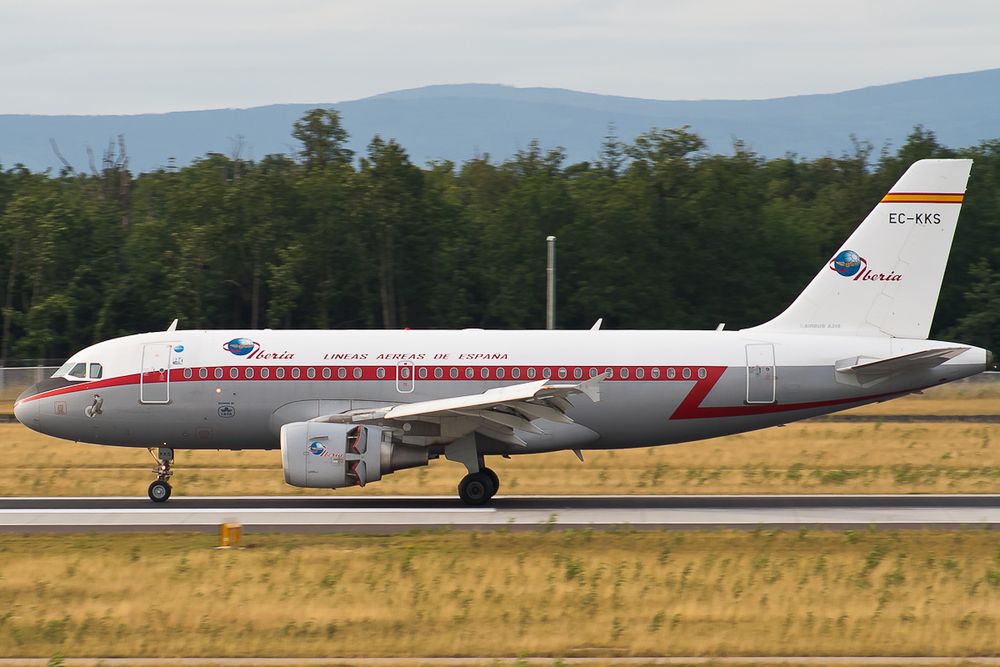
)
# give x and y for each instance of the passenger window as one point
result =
(422, 372)
(515, 373)
(546, 372)
(623, 373)
(438, 373)
(453, 373)
(265, 373)
(187, 373)
(96, 371)
(500, 373)
(702, 374)
(311, 373)
(357, 373)
(203, 373)
(79, 372)
(280, 373)
(218, 373)
(686, 373)
(640, 373)
(531, 373)
(671, 373)
(577, 373)
(562, 373)
(327, 372)
(296, 372)
(655, 373)
(380, 373)
(485, 373)
(341, 373)
(234, 372)
(248, 373)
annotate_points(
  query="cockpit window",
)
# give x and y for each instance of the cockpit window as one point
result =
(96, 371)
(63, 370)
(78, 371)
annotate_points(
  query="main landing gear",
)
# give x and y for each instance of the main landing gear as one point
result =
(159, 491)
(481, 483)
(477, 488)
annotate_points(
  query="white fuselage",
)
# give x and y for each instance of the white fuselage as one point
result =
(236, 389)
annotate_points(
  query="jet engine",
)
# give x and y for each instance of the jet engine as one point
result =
(319, 455)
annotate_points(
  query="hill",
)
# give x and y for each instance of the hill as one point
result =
(456, 122)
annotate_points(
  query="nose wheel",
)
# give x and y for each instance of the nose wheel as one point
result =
(159, 491)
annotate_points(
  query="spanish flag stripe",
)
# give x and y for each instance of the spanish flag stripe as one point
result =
(924, 198)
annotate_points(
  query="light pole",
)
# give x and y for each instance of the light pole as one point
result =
(550, 284)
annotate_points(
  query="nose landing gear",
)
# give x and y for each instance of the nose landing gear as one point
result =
(159, 491)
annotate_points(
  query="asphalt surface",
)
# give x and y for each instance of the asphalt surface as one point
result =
(451, 661)
(396, 513)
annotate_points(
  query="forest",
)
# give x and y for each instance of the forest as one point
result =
(655, 232)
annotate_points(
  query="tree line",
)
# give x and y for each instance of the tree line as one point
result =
(657, 232)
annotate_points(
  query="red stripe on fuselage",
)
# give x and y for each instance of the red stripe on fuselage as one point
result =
(690, 407)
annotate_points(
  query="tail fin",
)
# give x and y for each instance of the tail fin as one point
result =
(885, 280)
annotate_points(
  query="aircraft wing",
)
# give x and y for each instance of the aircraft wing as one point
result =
(907, 362)
(497, 412)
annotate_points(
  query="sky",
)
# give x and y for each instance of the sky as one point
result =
(139, 56)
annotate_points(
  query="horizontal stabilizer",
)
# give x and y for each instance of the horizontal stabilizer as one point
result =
(864, 366)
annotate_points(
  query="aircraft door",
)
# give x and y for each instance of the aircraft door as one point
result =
(404, 377)
(760, 373)
(154, 373)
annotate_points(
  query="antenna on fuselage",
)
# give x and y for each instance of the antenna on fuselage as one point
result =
(173, 326)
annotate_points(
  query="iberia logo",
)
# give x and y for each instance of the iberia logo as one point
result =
(852, 265)
(848, 263)
(317, 448)
(241, 347)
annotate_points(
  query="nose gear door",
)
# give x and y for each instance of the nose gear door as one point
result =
(154, 373)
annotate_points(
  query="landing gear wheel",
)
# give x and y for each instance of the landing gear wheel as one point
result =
(496, 480)
(159, 491)
(476, 489)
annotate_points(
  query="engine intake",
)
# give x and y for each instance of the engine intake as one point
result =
(319, 455)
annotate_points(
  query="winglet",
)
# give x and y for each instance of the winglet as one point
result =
(173, 326)
(591, 387)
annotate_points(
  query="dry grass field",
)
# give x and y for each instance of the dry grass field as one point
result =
(537, 593)
(805, 457)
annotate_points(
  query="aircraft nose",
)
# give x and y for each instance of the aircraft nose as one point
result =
(26, 411)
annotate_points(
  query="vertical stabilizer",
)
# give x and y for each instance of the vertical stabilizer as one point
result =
(885, 279)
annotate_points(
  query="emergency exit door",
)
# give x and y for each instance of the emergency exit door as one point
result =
(404, 377)
(761, 378)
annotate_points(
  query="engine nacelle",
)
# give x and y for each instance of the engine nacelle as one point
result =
(319, 455)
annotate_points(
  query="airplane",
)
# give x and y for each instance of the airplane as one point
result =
(349, 407)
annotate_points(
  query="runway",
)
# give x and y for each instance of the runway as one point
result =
(399, 513)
